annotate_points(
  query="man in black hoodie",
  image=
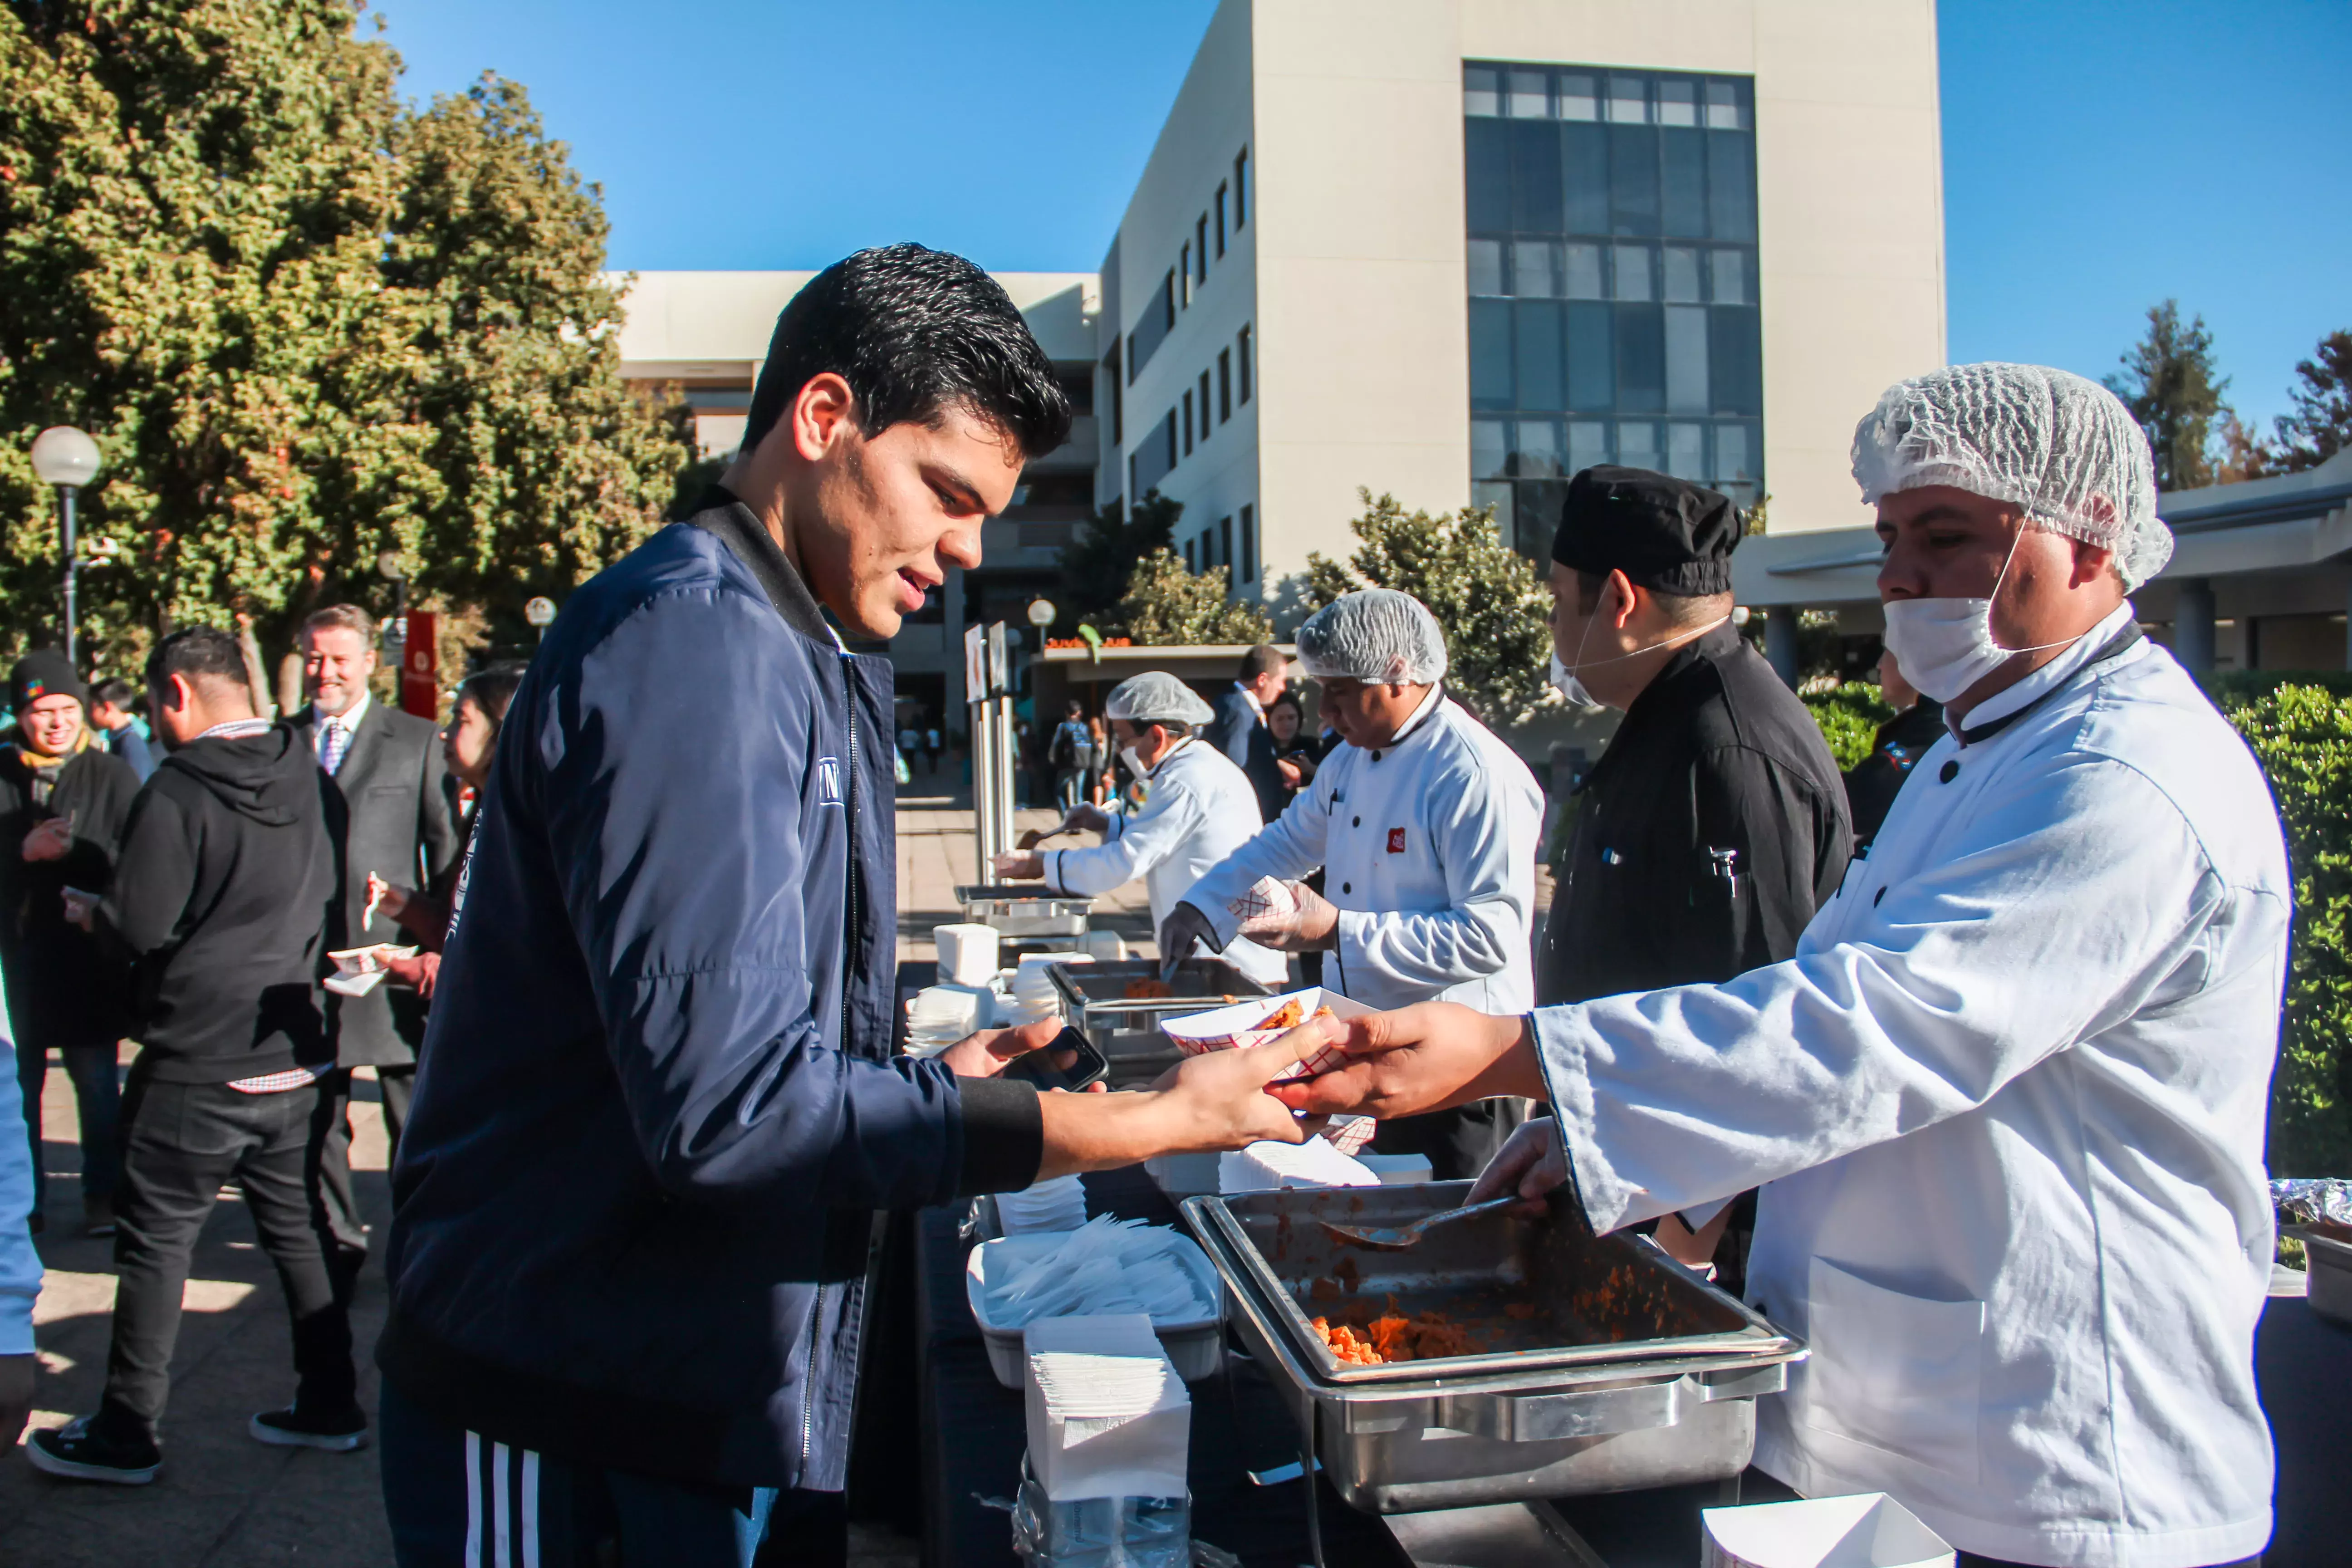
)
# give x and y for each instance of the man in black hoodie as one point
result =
(219, 902)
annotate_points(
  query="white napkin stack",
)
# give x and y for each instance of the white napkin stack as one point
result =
(1107, 1415)
(1034, 998)
(1262, 1167)
(940, 1016)
(967, 953)
(1059, 1203)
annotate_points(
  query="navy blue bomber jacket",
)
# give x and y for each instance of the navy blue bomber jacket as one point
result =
(656, 1104)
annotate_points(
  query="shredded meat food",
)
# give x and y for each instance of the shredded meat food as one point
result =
(1148, 990)
(1393, 1337)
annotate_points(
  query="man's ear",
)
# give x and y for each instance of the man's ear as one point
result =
(825, 410)
(1622, 586)
(2092, 562)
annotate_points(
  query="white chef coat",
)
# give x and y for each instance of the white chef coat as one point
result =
(2008, 1097)
(1428, 848)
(1200, 808)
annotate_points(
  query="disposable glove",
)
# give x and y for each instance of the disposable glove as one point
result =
(1184, 925)
(1289, 916)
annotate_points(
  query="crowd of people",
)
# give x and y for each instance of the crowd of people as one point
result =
(1978, 1113)
(183, 879)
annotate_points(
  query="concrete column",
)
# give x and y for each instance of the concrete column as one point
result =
(1780, 643)
(2192, 628)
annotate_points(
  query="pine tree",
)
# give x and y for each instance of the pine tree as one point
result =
(1099, 563)
(2170, 386)
(1166, 605)
(2321, 424)
(1487, 596)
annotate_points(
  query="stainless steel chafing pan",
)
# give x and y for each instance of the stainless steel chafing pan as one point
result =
(1127, 1030)
(1024, 912)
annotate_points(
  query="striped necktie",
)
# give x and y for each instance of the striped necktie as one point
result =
(334, 740)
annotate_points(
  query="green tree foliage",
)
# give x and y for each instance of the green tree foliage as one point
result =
(1099, 562)
(1849, 714)
(1494, 607)
(2321, 424)
(306, 324)
(2169, 384)
(1166, 605)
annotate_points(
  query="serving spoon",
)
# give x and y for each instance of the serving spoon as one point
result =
(1395, 1239)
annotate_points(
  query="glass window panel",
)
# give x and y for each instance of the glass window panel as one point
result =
(1530, 96)
(1677, 103)
(1490, 450)
(1733, 455)
(1686, 360)
(1588, 445)
(1734, 359)
(1631, 263)
(1580, 97)
(1731, 278)
(1540, 504)
(1641, 358)
(1531, 270)
(1592, 362)
(1682, 177)
(1725, 108)
(1535, 177)
(1686, 452)
(1731, 185)
(1632, 180)
(1497, 496)
(1490, 354)
(1538, 449)
(1486, 169)
(1627, 103)
(1482, 90)
(1584, 178)
(1637, 444)
(1681, 280)
(1580, 277)
(1486, 267)
(1537, 350)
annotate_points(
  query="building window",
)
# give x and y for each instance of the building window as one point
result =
(1242, 365)
(1249, 545)
(1184, 272)
(1201, 246)
(1221, 221)
(1159, 321)
(1225, 384)
(1190, 563)
(1118, 395)
(1612, 280)
(1188, 422)
(1225, 544)
(1204, 405)
(1153, 458)
(1240, 187)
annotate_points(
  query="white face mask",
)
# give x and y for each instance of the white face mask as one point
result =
(1943, 646)
(1563, 677)
(1134, 761)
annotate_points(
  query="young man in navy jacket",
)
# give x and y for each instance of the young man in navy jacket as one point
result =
(656, 1104)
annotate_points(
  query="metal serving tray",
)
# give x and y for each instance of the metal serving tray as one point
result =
(1519, 1425)
(1127, 1030)
(1024, 912)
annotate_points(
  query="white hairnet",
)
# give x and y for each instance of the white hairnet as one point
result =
(2063, 448)
(1156, 697)
(1375, 634)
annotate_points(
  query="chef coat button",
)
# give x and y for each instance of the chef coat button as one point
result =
(1376, 756)
(1357, 823)
(1876, 896)
(1950, 772)
(1347, 887)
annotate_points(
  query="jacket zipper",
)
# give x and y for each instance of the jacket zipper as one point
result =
(848, 948)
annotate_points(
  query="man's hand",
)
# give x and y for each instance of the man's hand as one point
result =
(1429, 1057)
(420, 970)
(1530, 1162)
(991, 1051)
(1093, 818)
(1311, 923)
(1208, 1103)
(15, 1399)
(1184, 926)
(383, 894)
(1019, 865)
(50, 840)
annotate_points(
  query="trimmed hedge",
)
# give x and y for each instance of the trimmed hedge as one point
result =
(1849, 716)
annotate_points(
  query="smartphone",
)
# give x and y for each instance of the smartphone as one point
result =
(1039, 1067)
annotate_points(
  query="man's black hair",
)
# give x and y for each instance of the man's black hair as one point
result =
(1259, 660)
(1074, 709)
(195, 652)
(915, 332)
(115, 693)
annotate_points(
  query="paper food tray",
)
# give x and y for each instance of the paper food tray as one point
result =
(1243, 1024)
(1197, 1348)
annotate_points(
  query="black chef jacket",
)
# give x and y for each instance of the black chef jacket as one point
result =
(1704, 837)
(1874, 782)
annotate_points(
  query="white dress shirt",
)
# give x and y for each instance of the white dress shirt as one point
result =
(349, 723)
(2008, 1100)
(1428, 848)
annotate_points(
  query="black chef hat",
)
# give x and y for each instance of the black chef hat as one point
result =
(1665, 534)
(44, 672)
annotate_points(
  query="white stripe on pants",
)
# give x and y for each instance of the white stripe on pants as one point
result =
(507, 1531)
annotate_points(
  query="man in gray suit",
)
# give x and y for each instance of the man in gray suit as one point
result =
(390, 811)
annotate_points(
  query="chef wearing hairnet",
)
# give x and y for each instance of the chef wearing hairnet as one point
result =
(2008, 1097)
(1199, 807)
(1426, 826)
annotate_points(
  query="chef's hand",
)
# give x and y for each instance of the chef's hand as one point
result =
(1310, 924)
(1184, 926)
(1429, 1057)
(50, 840)
(1207, 1104)
(15, 1399)
(418, 970)
(1093, 818)
(1530, 1162)
(991, 1051)
(1019, 865)
(388, 899)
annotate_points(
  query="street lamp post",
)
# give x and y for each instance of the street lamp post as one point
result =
(68, 459)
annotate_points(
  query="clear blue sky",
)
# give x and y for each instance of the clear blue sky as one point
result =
(2099, 155)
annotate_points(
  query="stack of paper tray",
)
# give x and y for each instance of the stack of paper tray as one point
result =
(1597, 1363)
